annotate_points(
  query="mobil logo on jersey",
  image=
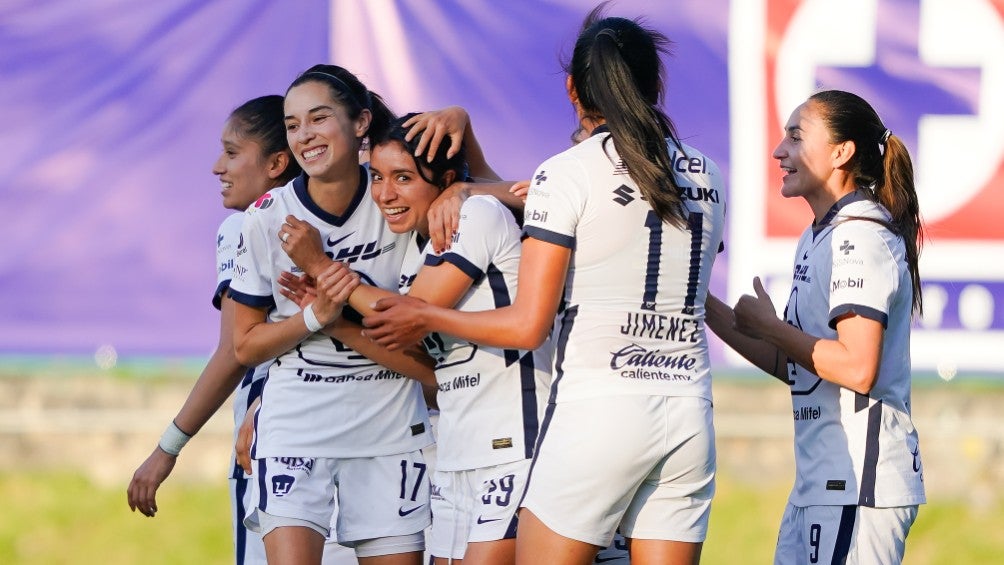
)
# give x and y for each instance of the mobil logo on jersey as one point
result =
(934, 72)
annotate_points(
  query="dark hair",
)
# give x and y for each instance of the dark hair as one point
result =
(882, 165)
(348, 91)
(618, 76)
(261, 119)
(433, 172)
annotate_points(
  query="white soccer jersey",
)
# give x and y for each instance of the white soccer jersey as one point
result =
(227, 238)
(633, 320)
(490, 399)
(322, 399)
(852, 448)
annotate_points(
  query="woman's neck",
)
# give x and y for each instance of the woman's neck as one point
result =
(336, 190)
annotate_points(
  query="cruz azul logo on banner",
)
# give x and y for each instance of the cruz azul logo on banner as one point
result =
(934, 72)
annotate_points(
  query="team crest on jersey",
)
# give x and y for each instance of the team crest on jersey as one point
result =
(264, 201)
(282, 484)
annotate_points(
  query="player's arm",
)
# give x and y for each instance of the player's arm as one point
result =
(217, 381)
(256, 340)
(851, 360)
(721, 319)
(523, 325)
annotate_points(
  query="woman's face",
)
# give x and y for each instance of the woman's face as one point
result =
(243, 170)
(401, 193)
(805, 154)
(321, 135)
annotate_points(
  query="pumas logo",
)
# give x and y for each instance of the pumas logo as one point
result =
(264, 201)
(282, 484)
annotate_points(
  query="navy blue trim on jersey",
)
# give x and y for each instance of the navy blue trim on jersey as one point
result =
(510, 531)
(240, 530)
(567, 320)
(469, 269)
(221, 289)
(869, 467)
(846, 199)
(300, 189)
(549, 236)
(863, 311)
(602, 128)
(262, 485)
(252, 300)
(845, 533)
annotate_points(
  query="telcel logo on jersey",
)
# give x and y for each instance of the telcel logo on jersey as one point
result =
(847, 283)
(684, 164)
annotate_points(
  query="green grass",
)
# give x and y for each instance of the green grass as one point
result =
(62, 518)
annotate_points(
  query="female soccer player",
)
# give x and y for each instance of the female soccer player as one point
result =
(625, 227)
(844, 343)
(328, 417)
(255, 158)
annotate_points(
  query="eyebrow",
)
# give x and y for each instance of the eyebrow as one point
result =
(311, 111)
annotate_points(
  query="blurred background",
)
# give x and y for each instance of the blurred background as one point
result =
(112, 111)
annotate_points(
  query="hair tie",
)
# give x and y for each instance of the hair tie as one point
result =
(883, 140)
(615, 36)
(344, 88)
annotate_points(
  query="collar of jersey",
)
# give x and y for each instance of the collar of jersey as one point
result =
(300, 188)
(832, 212)
(602, 128)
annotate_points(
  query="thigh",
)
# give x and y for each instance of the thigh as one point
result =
(673, 503)
(382, 496)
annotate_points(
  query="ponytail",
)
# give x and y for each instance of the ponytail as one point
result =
(617, 74)
(897, 192)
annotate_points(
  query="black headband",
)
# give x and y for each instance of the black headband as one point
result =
(342, 87)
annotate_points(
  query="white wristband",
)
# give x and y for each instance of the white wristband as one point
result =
(173, 439)
(310, 319)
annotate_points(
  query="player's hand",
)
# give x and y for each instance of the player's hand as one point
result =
(444, 215)
(755, 313)
(520, 189)
(142, 491)
(299, 289)
(434, 126)
(302, 243)
(245, 437)
(334, 286)
(398, 322)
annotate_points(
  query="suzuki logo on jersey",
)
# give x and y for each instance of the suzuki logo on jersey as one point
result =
(699, 194)
(282, 484)
(264, 201)
(623, 193)
(362, 252)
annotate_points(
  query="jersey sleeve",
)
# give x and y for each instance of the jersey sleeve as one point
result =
(252, 280)
(864, 277)
(555, 201)
(485, 224)
(227, 238)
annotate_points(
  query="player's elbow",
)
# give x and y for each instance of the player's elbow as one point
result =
(862, 380)
(245, 353)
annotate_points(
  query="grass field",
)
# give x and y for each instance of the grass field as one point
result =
(56, 519)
